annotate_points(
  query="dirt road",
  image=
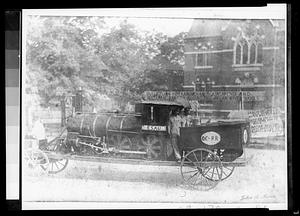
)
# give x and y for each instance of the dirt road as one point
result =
(261, 182)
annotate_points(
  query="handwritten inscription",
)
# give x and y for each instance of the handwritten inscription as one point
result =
(250, 197)
(266, 122)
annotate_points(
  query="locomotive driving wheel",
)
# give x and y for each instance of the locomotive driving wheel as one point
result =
(201, 169)
(122, 142)
(152, 145)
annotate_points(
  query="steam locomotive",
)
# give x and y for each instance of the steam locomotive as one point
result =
(143, 134)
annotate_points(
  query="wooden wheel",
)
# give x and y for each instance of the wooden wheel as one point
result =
(58, 142)
(152, 145)
(226, 171)
(56, 165)
(34, 158)
(201, 169)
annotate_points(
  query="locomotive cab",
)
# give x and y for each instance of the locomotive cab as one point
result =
(155, 114)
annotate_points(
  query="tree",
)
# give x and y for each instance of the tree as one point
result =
(128, 53)
(168, 73)
(67, 52)
(60, 54)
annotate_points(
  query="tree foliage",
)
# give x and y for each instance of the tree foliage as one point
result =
(59, 54)
(64, 53)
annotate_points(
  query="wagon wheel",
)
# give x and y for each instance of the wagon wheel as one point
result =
(34, 158)
(152, 145)
(59, 145)
(199, 163)
(120, 142)
(227, 170)
(58, 141)
(56, 165)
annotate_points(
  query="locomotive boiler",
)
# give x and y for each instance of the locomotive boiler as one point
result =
(132, 135)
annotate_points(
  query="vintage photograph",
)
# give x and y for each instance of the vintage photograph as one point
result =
(154, 108)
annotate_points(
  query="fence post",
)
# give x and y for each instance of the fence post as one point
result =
(63, 111)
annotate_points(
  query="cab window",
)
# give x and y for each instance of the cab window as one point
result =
(155, 115)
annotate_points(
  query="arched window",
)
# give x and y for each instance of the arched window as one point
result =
(238, 52)
(245, 53)
(252, 53)
(259, 53)
(248, 50)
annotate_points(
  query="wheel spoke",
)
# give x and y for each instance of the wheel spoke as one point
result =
(218, 174)
(190, 160)
(195, 157)
(153, 152)
(227, 168)
(60, 163)
(56, 165)
(208, 169)
(192, 176)
(213, 173)
(195, 179)
(192, 171)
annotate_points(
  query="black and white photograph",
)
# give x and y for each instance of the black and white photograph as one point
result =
(154, 108)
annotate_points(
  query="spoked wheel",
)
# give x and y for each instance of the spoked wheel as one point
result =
(226, 171)
(152, 145)
(120, 141)
(34, 158)
(201, 169)
(58, 141)
(125, 143)
(56, 165)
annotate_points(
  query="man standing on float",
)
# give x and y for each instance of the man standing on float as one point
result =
(174, 131)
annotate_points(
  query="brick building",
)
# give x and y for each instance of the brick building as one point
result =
(235, 52)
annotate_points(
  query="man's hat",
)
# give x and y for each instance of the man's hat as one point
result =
(183, 102)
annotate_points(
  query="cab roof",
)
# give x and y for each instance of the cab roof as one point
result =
(168, 103)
